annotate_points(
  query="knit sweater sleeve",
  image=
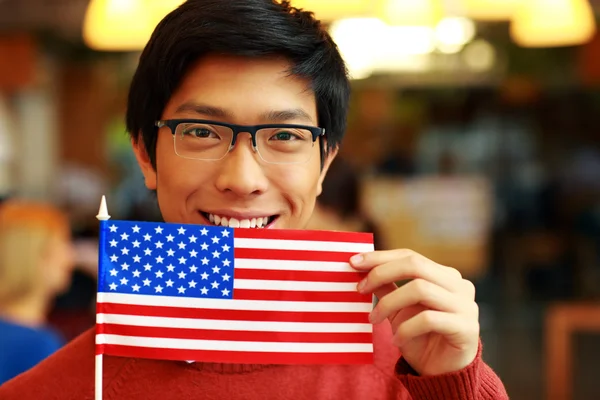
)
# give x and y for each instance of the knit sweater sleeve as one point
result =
(476, 381)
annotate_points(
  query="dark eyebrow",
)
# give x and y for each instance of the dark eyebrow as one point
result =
(279, 116)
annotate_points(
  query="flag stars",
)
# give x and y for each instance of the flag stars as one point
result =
(136, 259)
(204, 246)
(181, 245)
(204, 261)
(158, 289)
(215, 285)
(147, 267)
(182, 275)
(170, 268)
(136, 243)
(192, 284)
(169, 283)
(158, 229)
(204, 276)
(216, 254)
(158, 244)
(124, 236)
(114, 258)
(136, 288)
(159, 260)
(193, 253)
(204, 290)
(113, 228)
(181, 289)
(146, 282)
(182, 260)
(225, 233)
(136, 273)
(181, 230)
(147, 237)
(125, 251)
(193, 269)
(159, 274)
(170, 238)
(215, 239)
(113, 286)
(124, 281)
(113, 243)
(113, 272)
(147, 252)
(225, 248)
(125, 266)
(170, 252)
(225, 292)
(216, 270)
(225, 278)
(192, 239)
(136, 229)
(204, 232)
(226, 263)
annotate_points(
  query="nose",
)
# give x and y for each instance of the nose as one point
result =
(241, 172)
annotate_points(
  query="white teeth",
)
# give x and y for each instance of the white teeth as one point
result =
(259, 222)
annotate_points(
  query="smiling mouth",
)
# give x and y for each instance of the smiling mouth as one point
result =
(221, 220)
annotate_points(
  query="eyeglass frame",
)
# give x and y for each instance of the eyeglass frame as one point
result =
(172, 124)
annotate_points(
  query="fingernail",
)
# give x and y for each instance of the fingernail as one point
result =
(357, 259)
(362, 284)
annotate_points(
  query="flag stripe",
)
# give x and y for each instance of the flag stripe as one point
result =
(275, 295)
(278, 275)
(235, 357)
(242, 346)
(250, 336)
(232, 315)
(336, 305)
(298, 255)
(291, 265)
(294, 286)
(240, 326)
(306, 245)
(304, 235)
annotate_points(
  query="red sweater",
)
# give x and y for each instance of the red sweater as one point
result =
(69, 375)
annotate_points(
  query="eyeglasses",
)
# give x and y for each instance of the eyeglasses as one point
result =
(211, 141)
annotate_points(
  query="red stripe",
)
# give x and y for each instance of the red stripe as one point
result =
(293, 255)
(296, 235)
(250, 294)
(246, 336)
(231, 315)
(242, 357)
(302, 276)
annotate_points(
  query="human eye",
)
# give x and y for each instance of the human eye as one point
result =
(289, 135)
(200, 131)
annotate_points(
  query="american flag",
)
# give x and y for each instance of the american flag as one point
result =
(218, 294)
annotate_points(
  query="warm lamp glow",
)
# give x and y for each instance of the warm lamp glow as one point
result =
(123, 25)
(411, 12)
(553, 23)
(330, 10)
(490, 10)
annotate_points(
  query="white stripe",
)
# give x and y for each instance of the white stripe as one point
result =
(295, 285)
(280, 244)
(225, 325)
(260, 305)
(288, 265)
(272, 347)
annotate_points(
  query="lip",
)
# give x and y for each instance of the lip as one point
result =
(239, 216)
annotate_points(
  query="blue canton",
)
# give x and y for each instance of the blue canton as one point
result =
(167, 260)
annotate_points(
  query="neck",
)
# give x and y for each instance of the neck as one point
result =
(30, 311)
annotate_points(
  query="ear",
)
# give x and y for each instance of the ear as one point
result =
(141, 155)
(326, 163)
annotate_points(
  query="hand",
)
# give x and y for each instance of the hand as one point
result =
(434, 317)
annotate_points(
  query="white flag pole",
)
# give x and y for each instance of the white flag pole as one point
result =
(102, 217)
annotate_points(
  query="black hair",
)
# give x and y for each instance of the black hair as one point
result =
(250, 28)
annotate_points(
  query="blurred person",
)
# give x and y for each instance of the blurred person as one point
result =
(241, 106)
(35, 265)
(338, 207)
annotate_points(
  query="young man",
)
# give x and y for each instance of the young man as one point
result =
(214, 63)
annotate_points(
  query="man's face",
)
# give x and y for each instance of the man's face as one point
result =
(241, 186)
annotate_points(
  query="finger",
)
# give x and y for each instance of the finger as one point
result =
(458, 330)
(420, 292)
(401, 269)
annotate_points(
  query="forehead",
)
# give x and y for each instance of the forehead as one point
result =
(246, 89)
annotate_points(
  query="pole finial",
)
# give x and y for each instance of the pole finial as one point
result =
(103, 212)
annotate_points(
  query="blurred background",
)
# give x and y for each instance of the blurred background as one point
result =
(473, 138)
